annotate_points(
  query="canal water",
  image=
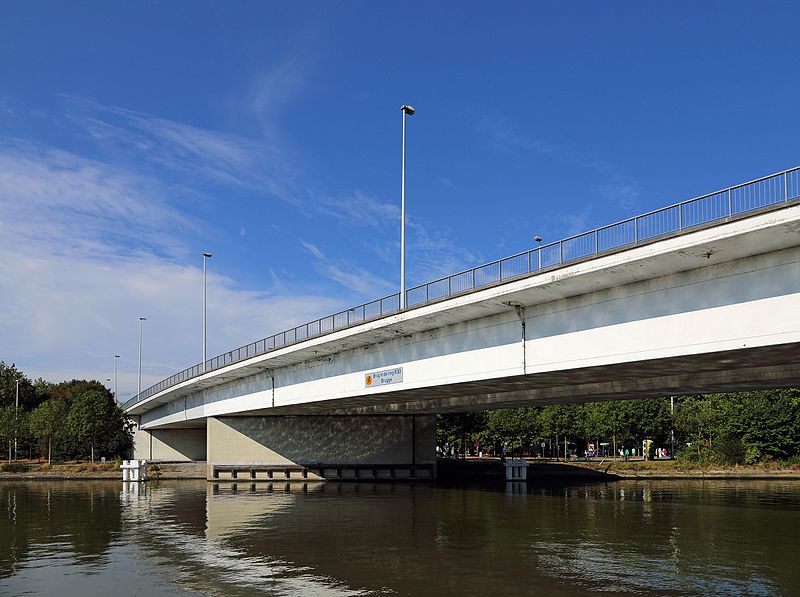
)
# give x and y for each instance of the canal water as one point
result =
(179, 538)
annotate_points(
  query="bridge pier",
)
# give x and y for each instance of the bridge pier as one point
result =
(354, 447)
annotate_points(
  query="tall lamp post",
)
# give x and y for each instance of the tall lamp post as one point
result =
(116, 395)
(205, 257)
(538, 240)
(139, 379)
(16, 407)
(671, 427)
(407, 111)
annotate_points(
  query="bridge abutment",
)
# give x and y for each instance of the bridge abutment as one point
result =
(365, 447)
(170, 445)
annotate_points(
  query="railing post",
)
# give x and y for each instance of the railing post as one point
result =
(635, 231)
(786, 187)
(473, 278)
(561, 251)
(730, 204)
(680, 217)
(449, 285)
(596, 242)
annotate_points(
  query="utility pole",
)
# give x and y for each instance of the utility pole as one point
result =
(16, 408)
(407, 111)
(116, 396)
(671, 430)
(206, 255)
(139, 380)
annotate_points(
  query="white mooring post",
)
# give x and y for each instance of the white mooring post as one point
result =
(516, 470)
(134, 470)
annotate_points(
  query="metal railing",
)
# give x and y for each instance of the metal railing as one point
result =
(717, 207)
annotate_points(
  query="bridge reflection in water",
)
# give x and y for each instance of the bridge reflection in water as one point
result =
(338, 538)
(657, 537)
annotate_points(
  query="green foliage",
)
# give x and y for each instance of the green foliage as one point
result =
(729, 449)
(75, 419)
(96, 422)
(722, 429)
(47, 422)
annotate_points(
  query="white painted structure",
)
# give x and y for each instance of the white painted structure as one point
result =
(700, 296)
(134, 470)
(713, 309)
(516, 470)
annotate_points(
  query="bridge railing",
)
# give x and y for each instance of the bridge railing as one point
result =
(717, 207)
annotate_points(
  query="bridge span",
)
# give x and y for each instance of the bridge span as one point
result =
(706, 303)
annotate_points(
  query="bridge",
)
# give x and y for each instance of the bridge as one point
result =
(699, 296)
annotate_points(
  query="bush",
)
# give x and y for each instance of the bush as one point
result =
(729, 449)
(752, 455)
(14, 467)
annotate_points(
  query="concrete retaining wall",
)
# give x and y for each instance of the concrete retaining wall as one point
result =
(170, 445)
(328, 440)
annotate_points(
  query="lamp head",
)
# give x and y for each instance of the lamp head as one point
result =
(537, 238)
(143, 319)
(206, 254)
(408, 109)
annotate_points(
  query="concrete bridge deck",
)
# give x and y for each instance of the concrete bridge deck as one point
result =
(710, 309)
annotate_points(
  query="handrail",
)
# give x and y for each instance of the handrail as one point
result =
(719, 206)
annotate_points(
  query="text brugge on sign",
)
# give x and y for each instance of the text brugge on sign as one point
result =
(382, 378)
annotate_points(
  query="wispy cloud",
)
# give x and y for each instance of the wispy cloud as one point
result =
(623, 190)
(312, 248)
(190, 151)
(360, 209)
(86, 247)
(614, 184)
(503, 136)
(91, 240)
(78, 205)
(360, 280)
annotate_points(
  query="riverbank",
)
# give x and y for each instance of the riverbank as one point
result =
(471, 469)
(673, 469)
(97, 471)
(474, 469)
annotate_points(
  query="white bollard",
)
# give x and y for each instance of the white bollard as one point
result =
(516, 470)
(134, 470)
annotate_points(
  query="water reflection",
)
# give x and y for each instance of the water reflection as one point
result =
(360, 539)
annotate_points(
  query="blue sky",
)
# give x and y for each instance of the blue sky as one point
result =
(135, 136)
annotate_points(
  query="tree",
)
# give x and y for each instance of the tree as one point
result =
(9, 376)
(87, 418)
(47, 421)
(7, 427)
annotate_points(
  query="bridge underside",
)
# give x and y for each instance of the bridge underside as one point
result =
(729, 371)
(702, 313)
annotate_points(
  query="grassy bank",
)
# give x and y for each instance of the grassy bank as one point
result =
(62, 470)
(78, 470)
(674, 469)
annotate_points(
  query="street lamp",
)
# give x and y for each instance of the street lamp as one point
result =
(205, 257)
(16, 407)
(538, 240)
(407, 111)
(139, 381)
(116, 396)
